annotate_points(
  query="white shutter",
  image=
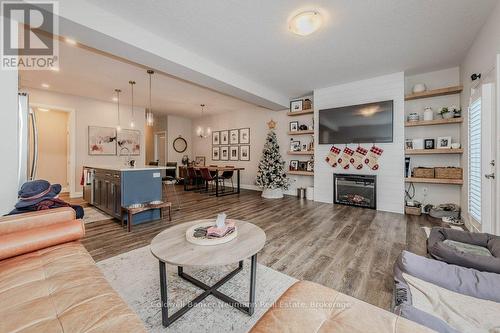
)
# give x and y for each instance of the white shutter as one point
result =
(475, 160)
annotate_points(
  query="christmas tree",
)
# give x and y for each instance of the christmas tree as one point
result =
(271, 173)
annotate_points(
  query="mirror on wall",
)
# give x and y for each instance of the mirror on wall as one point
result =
(180, 144)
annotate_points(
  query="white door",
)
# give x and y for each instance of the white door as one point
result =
(161, 147)
(482, 151)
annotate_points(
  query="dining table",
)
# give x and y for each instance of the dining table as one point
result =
(217, 170)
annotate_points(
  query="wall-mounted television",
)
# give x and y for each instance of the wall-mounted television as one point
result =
(364, 123)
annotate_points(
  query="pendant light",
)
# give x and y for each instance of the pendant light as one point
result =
(132, 123)
(118, 125)
(201, 132)
(149, 113)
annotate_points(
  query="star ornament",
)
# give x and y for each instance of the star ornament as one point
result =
(271, 124)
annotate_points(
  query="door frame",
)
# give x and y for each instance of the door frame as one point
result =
(156, 135)
(496, 224)
(72, 145)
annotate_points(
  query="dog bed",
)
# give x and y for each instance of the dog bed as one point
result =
(480, 251)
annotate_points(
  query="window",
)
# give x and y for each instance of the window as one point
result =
(475, 160)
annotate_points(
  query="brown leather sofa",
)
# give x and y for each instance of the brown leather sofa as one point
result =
(307, 307)
(50, 283)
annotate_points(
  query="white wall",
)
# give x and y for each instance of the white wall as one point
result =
(90, 112)
(390, 182)
(9, 146)
(480, 58)
(178, 126)
(436, 193)
(256, 119)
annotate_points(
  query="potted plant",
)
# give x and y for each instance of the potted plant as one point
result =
(446, 113)
(457, 112)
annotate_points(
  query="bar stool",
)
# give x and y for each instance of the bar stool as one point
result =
(171, 179)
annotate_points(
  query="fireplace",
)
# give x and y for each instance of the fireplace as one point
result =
(355, 190)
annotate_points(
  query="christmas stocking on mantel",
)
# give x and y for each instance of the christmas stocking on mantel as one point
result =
(345, 158)
(333, 156)
(372, 158)
(358, 157)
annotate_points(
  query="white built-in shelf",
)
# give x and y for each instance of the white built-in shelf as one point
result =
(301, 173)
(303, 152)
(433, 151)
(434, 122)
(435, 93)
(434, 181)
(298, 113)
(300, 132)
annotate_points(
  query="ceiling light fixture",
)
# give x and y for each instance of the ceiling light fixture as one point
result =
(45, 85)
(114, 99)
(149, 113)
(132, 123)
(305, 23)
(43, 109)
(70, 41)
(200, 131)
(117, 98)
(54, 69)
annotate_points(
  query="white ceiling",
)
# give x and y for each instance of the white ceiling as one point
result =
(87, 73)
(359, 39)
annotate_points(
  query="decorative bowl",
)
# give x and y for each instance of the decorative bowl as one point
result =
(156, 202)
(137, 205)
(419, 87)
(413, 116)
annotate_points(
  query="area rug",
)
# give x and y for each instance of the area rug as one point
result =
(92, 214)
(135, 276)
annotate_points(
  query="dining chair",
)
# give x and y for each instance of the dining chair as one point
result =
(208, 179)
(193, 180)
(227, 175)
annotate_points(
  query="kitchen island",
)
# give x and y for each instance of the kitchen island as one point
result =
(109, 188)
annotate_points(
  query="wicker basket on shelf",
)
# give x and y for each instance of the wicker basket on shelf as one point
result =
(410, 210)
(421, 172)
(448, 173)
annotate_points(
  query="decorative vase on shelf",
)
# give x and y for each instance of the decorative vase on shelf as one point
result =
(428, 114)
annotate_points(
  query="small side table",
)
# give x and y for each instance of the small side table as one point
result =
(132, 211)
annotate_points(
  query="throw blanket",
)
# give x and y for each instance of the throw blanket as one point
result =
(463, 313)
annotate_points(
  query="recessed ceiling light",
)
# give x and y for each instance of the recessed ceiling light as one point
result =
(115, 99)
(54, 69)
(70, 41)
(43, 109)
(305, 23)
(45, 85)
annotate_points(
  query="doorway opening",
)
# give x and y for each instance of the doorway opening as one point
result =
(160, 147)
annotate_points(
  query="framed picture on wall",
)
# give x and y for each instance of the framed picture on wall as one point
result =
(224, 153)
(245, 153)
(215, 153)
(224, 137)
(244, 136)
(199, 161)
(130, 139)
(233, 137)
(215, 138)
(234, 153)
(102, 140)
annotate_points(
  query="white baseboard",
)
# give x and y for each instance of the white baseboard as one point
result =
(251, 187)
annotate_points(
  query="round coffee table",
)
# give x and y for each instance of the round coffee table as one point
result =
(171, 247)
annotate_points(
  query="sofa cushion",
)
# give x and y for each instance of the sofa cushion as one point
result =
(60, 289)
(308, 307)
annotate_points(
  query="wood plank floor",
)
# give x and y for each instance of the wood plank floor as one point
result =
(349, 249)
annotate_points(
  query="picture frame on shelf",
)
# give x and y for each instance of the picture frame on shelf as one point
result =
(310, 166)
(444, 142)
(294, 145)
(224, 138)
(296, 105)
(199, 161)
(294, 165)
(294, 126)
(234, 153)
(245, 153)
(234, 136)
(409, 144)
(244, 134)
(216, 138)
(429, 144)
(302, 166)
(224, 153)
(215, 153)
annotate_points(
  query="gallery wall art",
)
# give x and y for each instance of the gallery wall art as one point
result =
(232, 145)
(102, 140)
(130, 139)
